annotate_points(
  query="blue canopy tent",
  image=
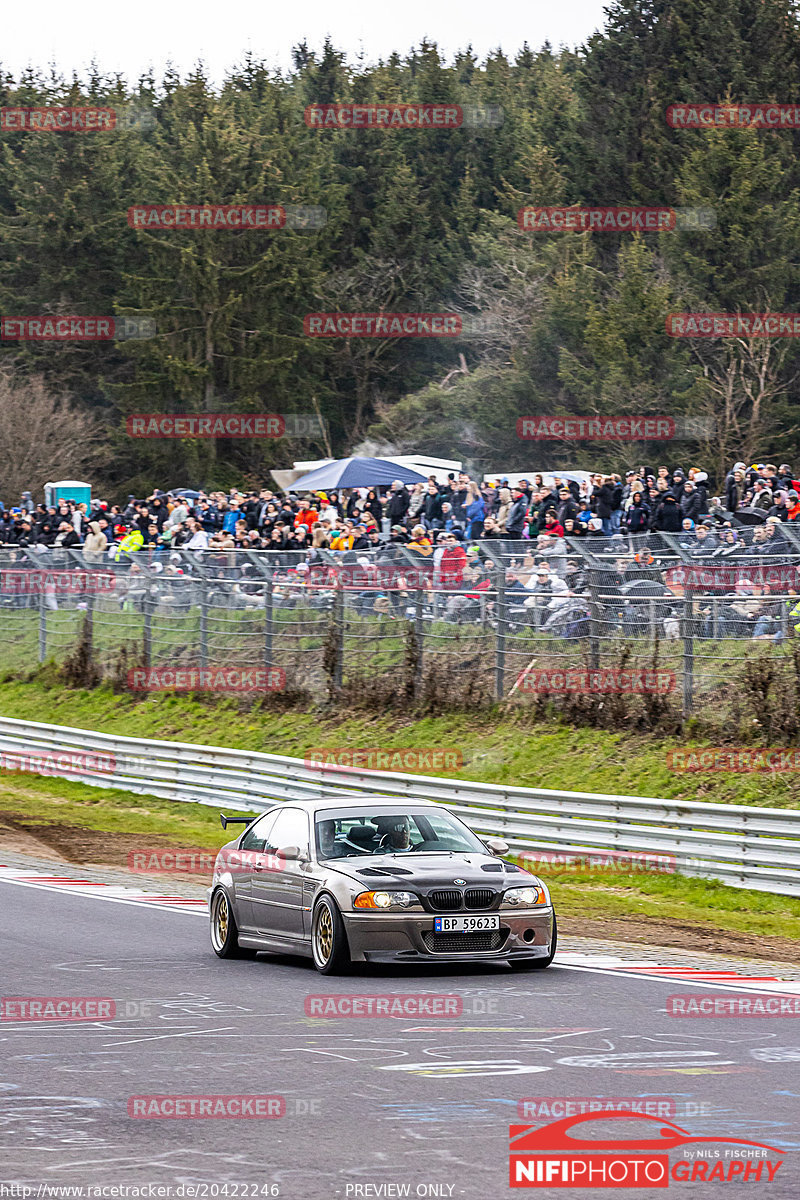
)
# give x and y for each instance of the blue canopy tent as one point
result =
(356, 472)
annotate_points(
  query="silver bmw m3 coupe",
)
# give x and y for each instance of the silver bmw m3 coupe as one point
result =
(375, 879)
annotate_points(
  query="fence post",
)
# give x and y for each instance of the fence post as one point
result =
(90, 620)
(203, 625)
(268, 596)
(42, 627)
(419, 633)
(688, 652)
(338, 624)
(594, 624)
(500, 659)
(147, 630)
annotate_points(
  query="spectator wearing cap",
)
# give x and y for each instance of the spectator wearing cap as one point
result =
(515, 521)
(452, 563)
(760, 496)
(398, 534)
(779, 508)
(735, 489)
(398, 502)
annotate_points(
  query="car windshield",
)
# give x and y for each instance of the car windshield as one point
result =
(341, 833)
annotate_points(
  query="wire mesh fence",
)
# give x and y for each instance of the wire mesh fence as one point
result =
(660, 613)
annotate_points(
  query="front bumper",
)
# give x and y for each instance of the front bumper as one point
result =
(408, 937)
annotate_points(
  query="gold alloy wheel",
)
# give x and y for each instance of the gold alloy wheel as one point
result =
(324, 934)
(221, 920)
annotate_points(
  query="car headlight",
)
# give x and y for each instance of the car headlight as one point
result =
(385, 900)
(525, 896)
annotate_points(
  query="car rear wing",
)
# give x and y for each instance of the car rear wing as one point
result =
(226, 821)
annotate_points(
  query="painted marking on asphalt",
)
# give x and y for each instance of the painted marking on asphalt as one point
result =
(102, 891)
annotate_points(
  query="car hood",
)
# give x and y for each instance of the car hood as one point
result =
(374, 871)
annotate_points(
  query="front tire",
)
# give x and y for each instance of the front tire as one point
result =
(224, 931)
(329, 939)
(539, 964)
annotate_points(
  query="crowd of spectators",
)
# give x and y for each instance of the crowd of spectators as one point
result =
(461, 510)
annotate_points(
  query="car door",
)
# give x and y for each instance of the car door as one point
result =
(277, 887)
(242, 866)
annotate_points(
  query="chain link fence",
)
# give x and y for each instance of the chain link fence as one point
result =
(684, 612)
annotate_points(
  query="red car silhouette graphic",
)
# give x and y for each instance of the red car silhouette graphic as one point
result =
(557, 1137)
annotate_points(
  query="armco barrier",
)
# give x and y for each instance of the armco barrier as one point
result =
(741, 845)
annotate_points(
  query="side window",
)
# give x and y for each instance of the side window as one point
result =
(290, 829)
(256, 836)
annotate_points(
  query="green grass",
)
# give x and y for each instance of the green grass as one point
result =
(501, 747)
(42, 801)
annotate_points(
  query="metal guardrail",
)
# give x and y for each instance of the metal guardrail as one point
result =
(740, 845)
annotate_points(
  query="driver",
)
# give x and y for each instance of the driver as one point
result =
(396, 834)
(328, 846)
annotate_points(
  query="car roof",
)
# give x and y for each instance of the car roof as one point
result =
(358, 801)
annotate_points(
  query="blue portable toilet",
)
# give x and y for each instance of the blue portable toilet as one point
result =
(68, 489)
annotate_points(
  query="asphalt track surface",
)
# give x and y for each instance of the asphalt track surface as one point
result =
(375, 1107)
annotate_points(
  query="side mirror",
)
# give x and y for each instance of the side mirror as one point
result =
(294, 854)
(497, 846)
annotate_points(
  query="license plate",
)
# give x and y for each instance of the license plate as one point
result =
(465, 924)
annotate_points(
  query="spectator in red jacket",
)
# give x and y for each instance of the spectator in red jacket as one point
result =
(454, 559)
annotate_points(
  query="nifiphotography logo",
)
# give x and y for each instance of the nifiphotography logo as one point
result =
(569, 1153)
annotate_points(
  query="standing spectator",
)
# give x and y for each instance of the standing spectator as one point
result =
(515, 521)
(397, 504)
(475, 510)
(95, 545)
(637, 517)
